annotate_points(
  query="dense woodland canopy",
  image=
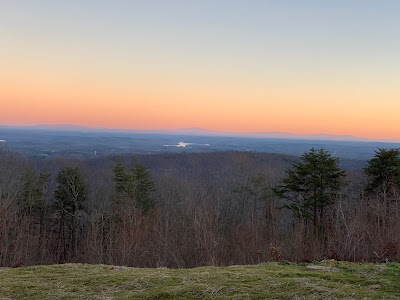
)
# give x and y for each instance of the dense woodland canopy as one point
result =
(186, 210)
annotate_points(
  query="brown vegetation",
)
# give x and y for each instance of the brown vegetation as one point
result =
(207, 209)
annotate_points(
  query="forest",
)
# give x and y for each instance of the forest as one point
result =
(195, 209)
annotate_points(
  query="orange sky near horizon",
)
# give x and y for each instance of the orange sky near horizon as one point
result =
(36, 100)
(202, 69)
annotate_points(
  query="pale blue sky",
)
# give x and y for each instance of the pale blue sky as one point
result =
(349, 49)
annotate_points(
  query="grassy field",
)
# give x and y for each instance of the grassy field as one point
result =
(329, 280)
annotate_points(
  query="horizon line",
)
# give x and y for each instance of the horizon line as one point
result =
(209, 132)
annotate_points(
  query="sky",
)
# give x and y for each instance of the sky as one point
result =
(306, 67)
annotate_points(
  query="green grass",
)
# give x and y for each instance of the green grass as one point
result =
(265, 281)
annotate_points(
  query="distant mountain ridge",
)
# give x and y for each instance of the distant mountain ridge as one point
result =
(203, 132)
(277, 135)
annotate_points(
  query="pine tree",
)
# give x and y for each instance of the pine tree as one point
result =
(133, 186)
(312, 186)
(70, 197)
(143, 188)
(383, 171)
(383, 189)
(121, 177)
(33, 199)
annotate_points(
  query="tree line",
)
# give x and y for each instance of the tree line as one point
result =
(198, 209)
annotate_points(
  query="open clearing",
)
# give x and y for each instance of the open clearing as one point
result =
(332, 280)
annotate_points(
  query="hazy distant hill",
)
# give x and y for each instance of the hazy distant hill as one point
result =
(65, 140)
(203, 132)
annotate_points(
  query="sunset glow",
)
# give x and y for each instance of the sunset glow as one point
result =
(257, 66)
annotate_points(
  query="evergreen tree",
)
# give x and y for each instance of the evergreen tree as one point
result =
(70, 197)
(133, 186)
(312, 186)
(121, 177)
(35, 187)
(383, 189)
(143, 188)
(383, 172)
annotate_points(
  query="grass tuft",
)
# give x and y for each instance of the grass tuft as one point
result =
(282, 280)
